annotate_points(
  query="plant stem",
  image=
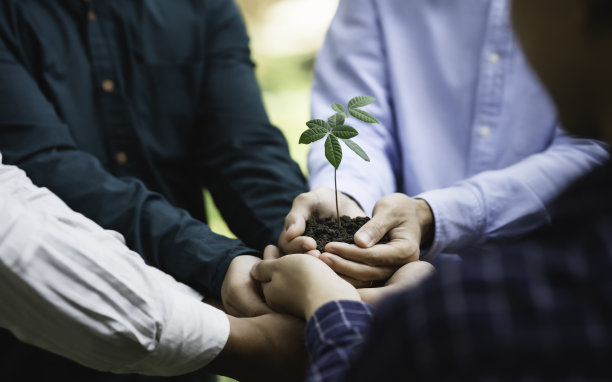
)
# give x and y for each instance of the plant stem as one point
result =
(337, 210)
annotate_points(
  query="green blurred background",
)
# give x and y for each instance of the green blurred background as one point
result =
(285, 38)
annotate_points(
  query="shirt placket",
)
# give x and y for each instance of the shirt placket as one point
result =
(495, 63)
(114, 116)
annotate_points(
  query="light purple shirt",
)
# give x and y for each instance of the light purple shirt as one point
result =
(464, 122)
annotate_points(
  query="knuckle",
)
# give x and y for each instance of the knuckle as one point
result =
(376, 229)
(305, 198)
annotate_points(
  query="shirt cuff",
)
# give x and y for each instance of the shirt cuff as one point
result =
(459, 217)
(193, 335)
(336, 322)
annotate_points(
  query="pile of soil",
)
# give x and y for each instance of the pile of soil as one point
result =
(326, 230)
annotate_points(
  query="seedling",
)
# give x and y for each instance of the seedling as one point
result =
(336, 130)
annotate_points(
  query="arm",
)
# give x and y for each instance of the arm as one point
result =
(512, 201)
(33, 136)
(243, 159)
(337, 320)
(75, 289)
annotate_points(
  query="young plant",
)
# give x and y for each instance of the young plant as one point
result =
(336, 130)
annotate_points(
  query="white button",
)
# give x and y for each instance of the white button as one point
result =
(484, 131)
(494, 58)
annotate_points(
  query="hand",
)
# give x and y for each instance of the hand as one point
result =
(408, 276)
(239, 292)
(267, 348)
(320, 202)
(299, 284)
(408, 222)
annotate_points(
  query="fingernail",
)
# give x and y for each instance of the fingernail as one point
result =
(364, 237)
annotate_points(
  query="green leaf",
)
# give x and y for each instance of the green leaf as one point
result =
(345, 132)
(357, 149)
(313, 134)
(336, 120)
(360, 101)
(363, 115)
(333, 151)
(317, 123)
(338, 107)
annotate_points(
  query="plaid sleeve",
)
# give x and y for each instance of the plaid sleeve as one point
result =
(333, 335)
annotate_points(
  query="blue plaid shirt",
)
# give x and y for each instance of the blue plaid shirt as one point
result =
(539, 309)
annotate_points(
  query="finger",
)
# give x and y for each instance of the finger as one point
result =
(356, 283)
(374, 295)
(411, 274)
(295, 223)
(263, 270)
(250, 304)
(393, 254)
(314, 253)
(373, 230)
(303, 207)
(271, 252)
(358, 271)
(300, 244)
(257, 307)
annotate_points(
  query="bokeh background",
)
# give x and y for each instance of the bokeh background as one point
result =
(286, 36)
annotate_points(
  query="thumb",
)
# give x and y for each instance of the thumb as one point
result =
(262, 271)
(372, 231)
(271, 252)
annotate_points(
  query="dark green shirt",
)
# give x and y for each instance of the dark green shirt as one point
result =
(127, 109)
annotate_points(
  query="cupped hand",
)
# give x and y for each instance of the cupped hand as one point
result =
(408, 276)
(320, 202)
(239, 293)
(409, 224)
(266, 348)
(299, 284)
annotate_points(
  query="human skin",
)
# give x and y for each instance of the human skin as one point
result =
(266, 348)
(239, 293)
(409, 223)
(299, 284)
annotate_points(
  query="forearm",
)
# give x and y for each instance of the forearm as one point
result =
(508, 202)
(167, 237)
(334, 336)
(242, 158)
(267, 348)
(74, 289)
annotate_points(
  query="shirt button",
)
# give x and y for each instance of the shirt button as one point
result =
(91, 16)
(484, 131)
(121, 157)
(494, 58)
(108, 86)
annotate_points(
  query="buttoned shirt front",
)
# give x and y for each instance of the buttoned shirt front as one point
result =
(127, 110)
(464, 122)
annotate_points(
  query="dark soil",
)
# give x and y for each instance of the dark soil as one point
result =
(326, 230)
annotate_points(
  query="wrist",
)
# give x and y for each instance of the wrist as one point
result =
(426, 222)
(314, 302)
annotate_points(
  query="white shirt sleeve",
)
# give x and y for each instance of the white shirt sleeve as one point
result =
(75, 289)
